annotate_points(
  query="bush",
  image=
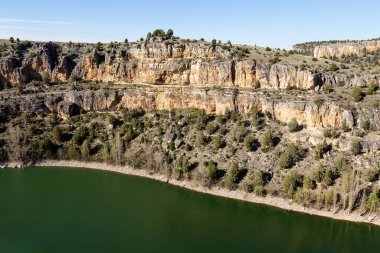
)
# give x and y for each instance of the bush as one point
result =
(218, 142)
(373, 201)
(250, 143)
(333, 67)
(372, 88)
(357, 94)
(365, 125)
(291, 183)
(56, 134)
(372, 175)
(231, 177)
(290, 156)
(356, 147)
(268, 141)
(321, 149)
(293, 126)
(319, 101)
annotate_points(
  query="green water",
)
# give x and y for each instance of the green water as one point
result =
(77, 210)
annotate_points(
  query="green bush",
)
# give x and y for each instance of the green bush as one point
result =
(290, 156)
(321, 149)
(291, 183)
(231, 176)
(293, 126)
(356, 147)
(268, 141)
(357, 94)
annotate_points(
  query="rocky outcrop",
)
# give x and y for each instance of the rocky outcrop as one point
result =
(347, 48)
(218, 101)
(152, 63)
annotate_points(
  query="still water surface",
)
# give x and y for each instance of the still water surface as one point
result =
(78, 210)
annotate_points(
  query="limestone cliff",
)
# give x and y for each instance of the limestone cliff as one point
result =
(218, 101)
(151, 63)
(347, 48)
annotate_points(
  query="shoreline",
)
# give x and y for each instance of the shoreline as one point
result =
(271, 201)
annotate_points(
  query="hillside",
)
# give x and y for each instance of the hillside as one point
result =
(267, 121)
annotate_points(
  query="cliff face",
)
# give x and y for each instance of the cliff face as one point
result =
(348, 48)
(219, 101)
(151, 63)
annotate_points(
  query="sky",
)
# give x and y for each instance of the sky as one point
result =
(274, 23)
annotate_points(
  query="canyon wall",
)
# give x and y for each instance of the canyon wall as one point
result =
(347, 48)
(151, 63)
(218, 101)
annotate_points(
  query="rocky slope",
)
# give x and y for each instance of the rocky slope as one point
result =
(348, 48)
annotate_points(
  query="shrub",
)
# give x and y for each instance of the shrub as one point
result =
(268, 141)
(373, 201)
(250, 143)
(333, 67)
(268, 49)
(293, 126)
(371, 175)
(290, 156)
(291, 182)
(321, 149)
(231, 177)
(211, 169)
(365, 125)
(56, 134)
(356, 147)
(170, 33)
(218, 142)
(357, 94)
(319, 101)
(372, 88)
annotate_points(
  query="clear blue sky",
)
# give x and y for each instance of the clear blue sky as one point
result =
(275, 23)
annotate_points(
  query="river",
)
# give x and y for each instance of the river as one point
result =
(80, 210)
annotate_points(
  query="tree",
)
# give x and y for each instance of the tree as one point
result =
(117, 149)
(232, 176)
(159, 33)
(11, 40)
(126, 41)
(85, 150)
(211, 169)
(56, 134)
(218, 142)
(267, 141)
(98, 46)
(148, 35)
(291, 182)
(105, 153)
(213, 42)
(373, 201)
(169, 33)
(72, 151)
(290, 156)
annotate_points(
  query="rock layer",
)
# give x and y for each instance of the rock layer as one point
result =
(218, 101)
(347, 48)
